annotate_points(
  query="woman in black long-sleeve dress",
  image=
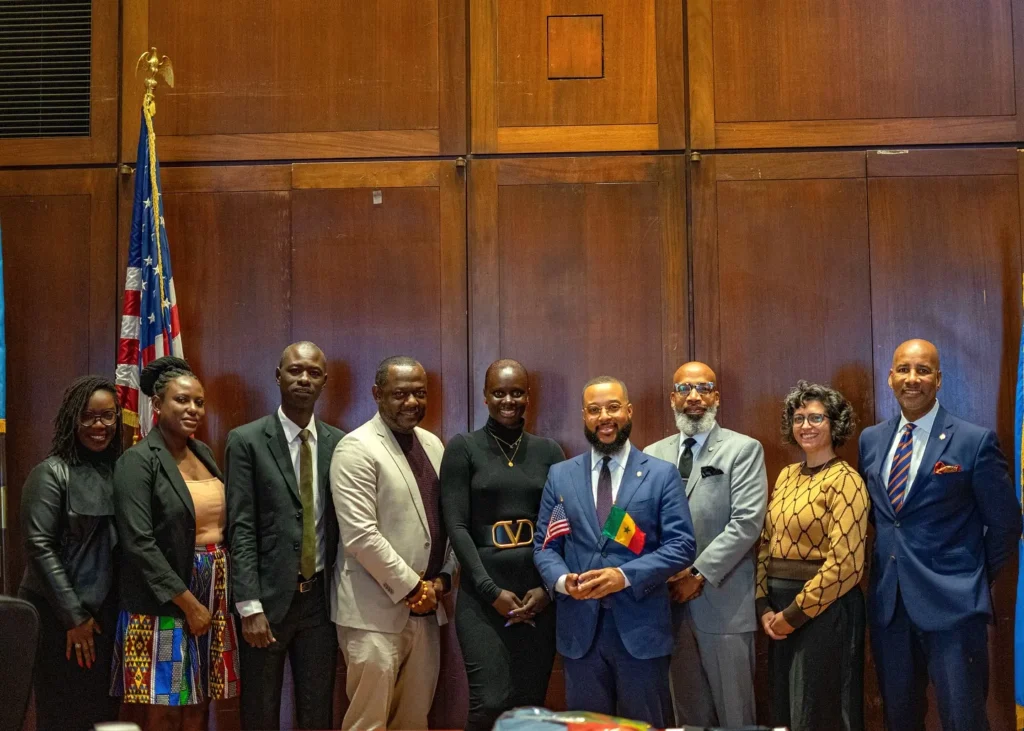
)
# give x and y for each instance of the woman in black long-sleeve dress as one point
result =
(491, 484)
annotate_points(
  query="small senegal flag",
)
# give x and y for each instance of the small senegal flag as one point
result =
(621, 529)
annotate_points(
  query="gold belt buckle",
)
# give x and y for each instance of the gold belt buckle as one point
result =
(305, 586)
(515, 536)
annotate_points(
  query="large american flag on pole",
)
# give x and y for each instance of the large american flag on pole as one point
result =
(149, 319)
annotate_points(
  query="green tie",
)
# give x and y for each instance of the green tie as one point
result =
(307, 563)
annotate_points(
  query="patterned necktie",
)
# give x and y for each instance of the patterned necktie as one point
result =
(686, 459)
(307, 562)
(899, 474)
(604, 493)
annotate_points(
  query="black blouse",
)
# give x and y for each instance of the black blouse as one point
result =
(485, 503)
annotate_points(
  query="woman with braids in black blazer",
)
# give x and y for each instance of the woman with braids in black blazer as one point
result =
(67, 520)
(175, 645)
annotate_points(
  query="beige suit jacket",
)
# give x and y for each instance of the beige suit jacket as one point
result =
(385, 541)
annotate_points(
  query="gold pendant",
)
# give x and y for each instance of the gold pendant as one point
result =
(510, 463)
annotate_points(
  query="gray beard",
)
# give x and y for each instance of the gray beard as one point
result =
(690, 426)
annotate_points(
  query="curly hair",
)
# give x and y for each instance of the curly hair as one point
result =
(65, 425)
(154, 377)
(842, 420)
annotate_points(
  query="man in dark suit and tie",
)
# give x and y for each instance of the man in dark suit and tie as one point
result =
(946, 519)
(614, 621)
(283, 535)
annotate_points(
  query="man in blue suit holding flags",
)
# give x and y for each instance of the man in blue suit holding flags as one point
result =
(946, 519)
(626, 530)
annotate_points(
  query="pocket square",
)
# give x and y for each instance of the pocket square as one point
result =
(946, 469)
(710, 471)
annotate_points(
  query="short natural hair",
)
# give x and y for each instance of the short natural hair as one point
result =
(299, 344)
(607, 379)
(842, 420)
(381, 377)
(503, 363)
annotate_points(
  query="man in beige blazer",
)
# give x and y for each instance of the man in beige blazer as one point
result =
(394, 563)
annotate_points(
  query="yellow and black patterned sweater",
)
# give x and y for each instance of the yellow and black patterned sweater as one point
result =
(814, 531)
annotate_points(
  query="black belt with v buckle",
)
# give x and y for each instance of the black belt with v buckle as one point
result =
(309, 584)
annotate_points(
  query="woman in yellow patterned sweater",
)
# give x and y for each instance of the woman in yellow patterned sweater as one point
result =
(810, 561)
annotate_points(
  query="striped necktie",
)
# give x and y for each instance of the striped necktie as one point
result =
(899, 474)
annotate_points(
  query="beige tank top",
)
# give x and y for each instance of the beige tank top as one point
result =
(211, 512)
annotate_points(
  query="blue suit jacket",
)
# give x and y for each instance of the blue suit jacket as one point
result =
(952, 534)
(652, 493)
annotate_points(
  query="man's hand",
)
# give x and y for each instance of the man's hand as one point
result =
(599, 583)
(684, 586)
(256, 630)
(572, 585)
(427, 600)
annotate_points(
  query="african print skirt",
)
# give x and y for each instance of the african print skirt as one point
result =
(158, 661)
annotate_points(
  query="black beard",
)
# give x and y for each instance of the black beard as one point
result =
(620, 439)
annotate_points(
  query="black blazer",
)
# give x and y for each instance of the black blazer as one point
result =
(265, 513)
(156, 524)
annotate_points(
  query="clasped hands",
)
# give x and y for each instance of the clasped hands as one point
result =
(685, 586)
(775, 625)
(517, 610)
(424, 597)
(596, 583)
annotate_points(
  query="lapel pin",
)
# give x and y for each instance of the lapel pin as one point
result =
(639, 474)
(942, 436)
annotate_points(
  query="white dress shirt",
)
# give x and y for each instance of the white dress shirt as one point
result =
(291, 436)
(919, 436)
(617, 467)
(699, 438)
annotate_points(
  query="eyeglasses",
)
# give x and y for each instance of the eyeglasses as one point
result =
(813, 419)
(703, 388)
(106, 418)
(611, 409)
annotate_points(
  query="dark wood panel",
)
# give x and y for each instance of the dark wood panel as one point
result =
(774, 73)
(100, 146)
(970, 160)
(792, 166)
(303, 79)
(573, 279)
(945, 266)
(576, 75)
(372, 280)
(59, 287)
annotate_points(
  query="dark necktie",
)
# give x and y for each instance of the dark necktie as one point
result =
(307, 560)
(686, 459)
(604, 492)
(899, 473)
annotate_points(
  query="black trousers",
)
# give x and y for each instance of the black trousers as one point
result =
(306, 637)
(506, 667)
(816, 674)
(70, 698)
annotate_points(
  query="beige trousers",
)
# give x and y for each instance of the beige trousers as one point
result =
(391, 677)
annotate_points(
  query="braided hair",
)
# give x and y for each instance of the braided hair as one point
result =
(154, 377)
(65, 425)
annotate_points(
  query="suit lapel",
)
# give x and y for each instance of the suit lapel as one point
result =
(942, 427)
(324, 453)
(585, 494)
(170, 468)
(633, 474)
(278, 446)
(703, 456)
(391, 447)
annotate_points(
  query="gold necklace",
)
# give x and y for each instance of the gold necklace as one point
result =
(515, 444)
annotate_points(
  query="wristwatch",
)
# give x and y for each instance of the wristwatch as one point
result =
(694, 572)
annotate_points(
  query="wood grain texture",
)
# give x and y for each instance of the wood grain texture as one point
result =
(791, 166)
(575, 46)
(560, 275)
(285, 79)
(671, 75)
(609, 137)
(915, 163)
(100, 146)
(58, 235)
(701, 60)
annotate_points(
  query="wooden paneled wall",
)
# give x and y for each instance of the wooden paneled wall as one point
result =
(785, 189)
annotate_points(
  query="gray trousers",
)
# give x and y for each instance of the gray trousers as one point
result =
(711, 675)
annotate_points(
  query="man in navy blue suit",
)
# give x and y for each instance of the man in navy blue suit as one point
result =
(614, 620)
(946, 519)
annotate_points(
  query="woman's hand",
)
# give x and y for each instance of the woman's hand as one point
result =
(534, 602)
(780, 626)
(507, 604)
(81, 641)
(199, 619)
(766, 623)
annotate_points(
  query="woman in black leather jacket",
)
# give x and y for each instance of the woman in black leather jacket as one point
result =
(67, 520)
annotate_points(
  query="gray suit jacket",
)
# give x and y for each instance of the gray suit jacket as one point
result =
(728, 515)
(385, 542)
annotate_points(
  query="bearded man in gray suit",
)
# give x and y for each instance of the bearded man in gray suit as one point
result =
(712, 670)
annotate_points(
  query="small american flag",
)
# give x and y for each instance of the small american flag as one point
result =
(149, 319)
(558, 525)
